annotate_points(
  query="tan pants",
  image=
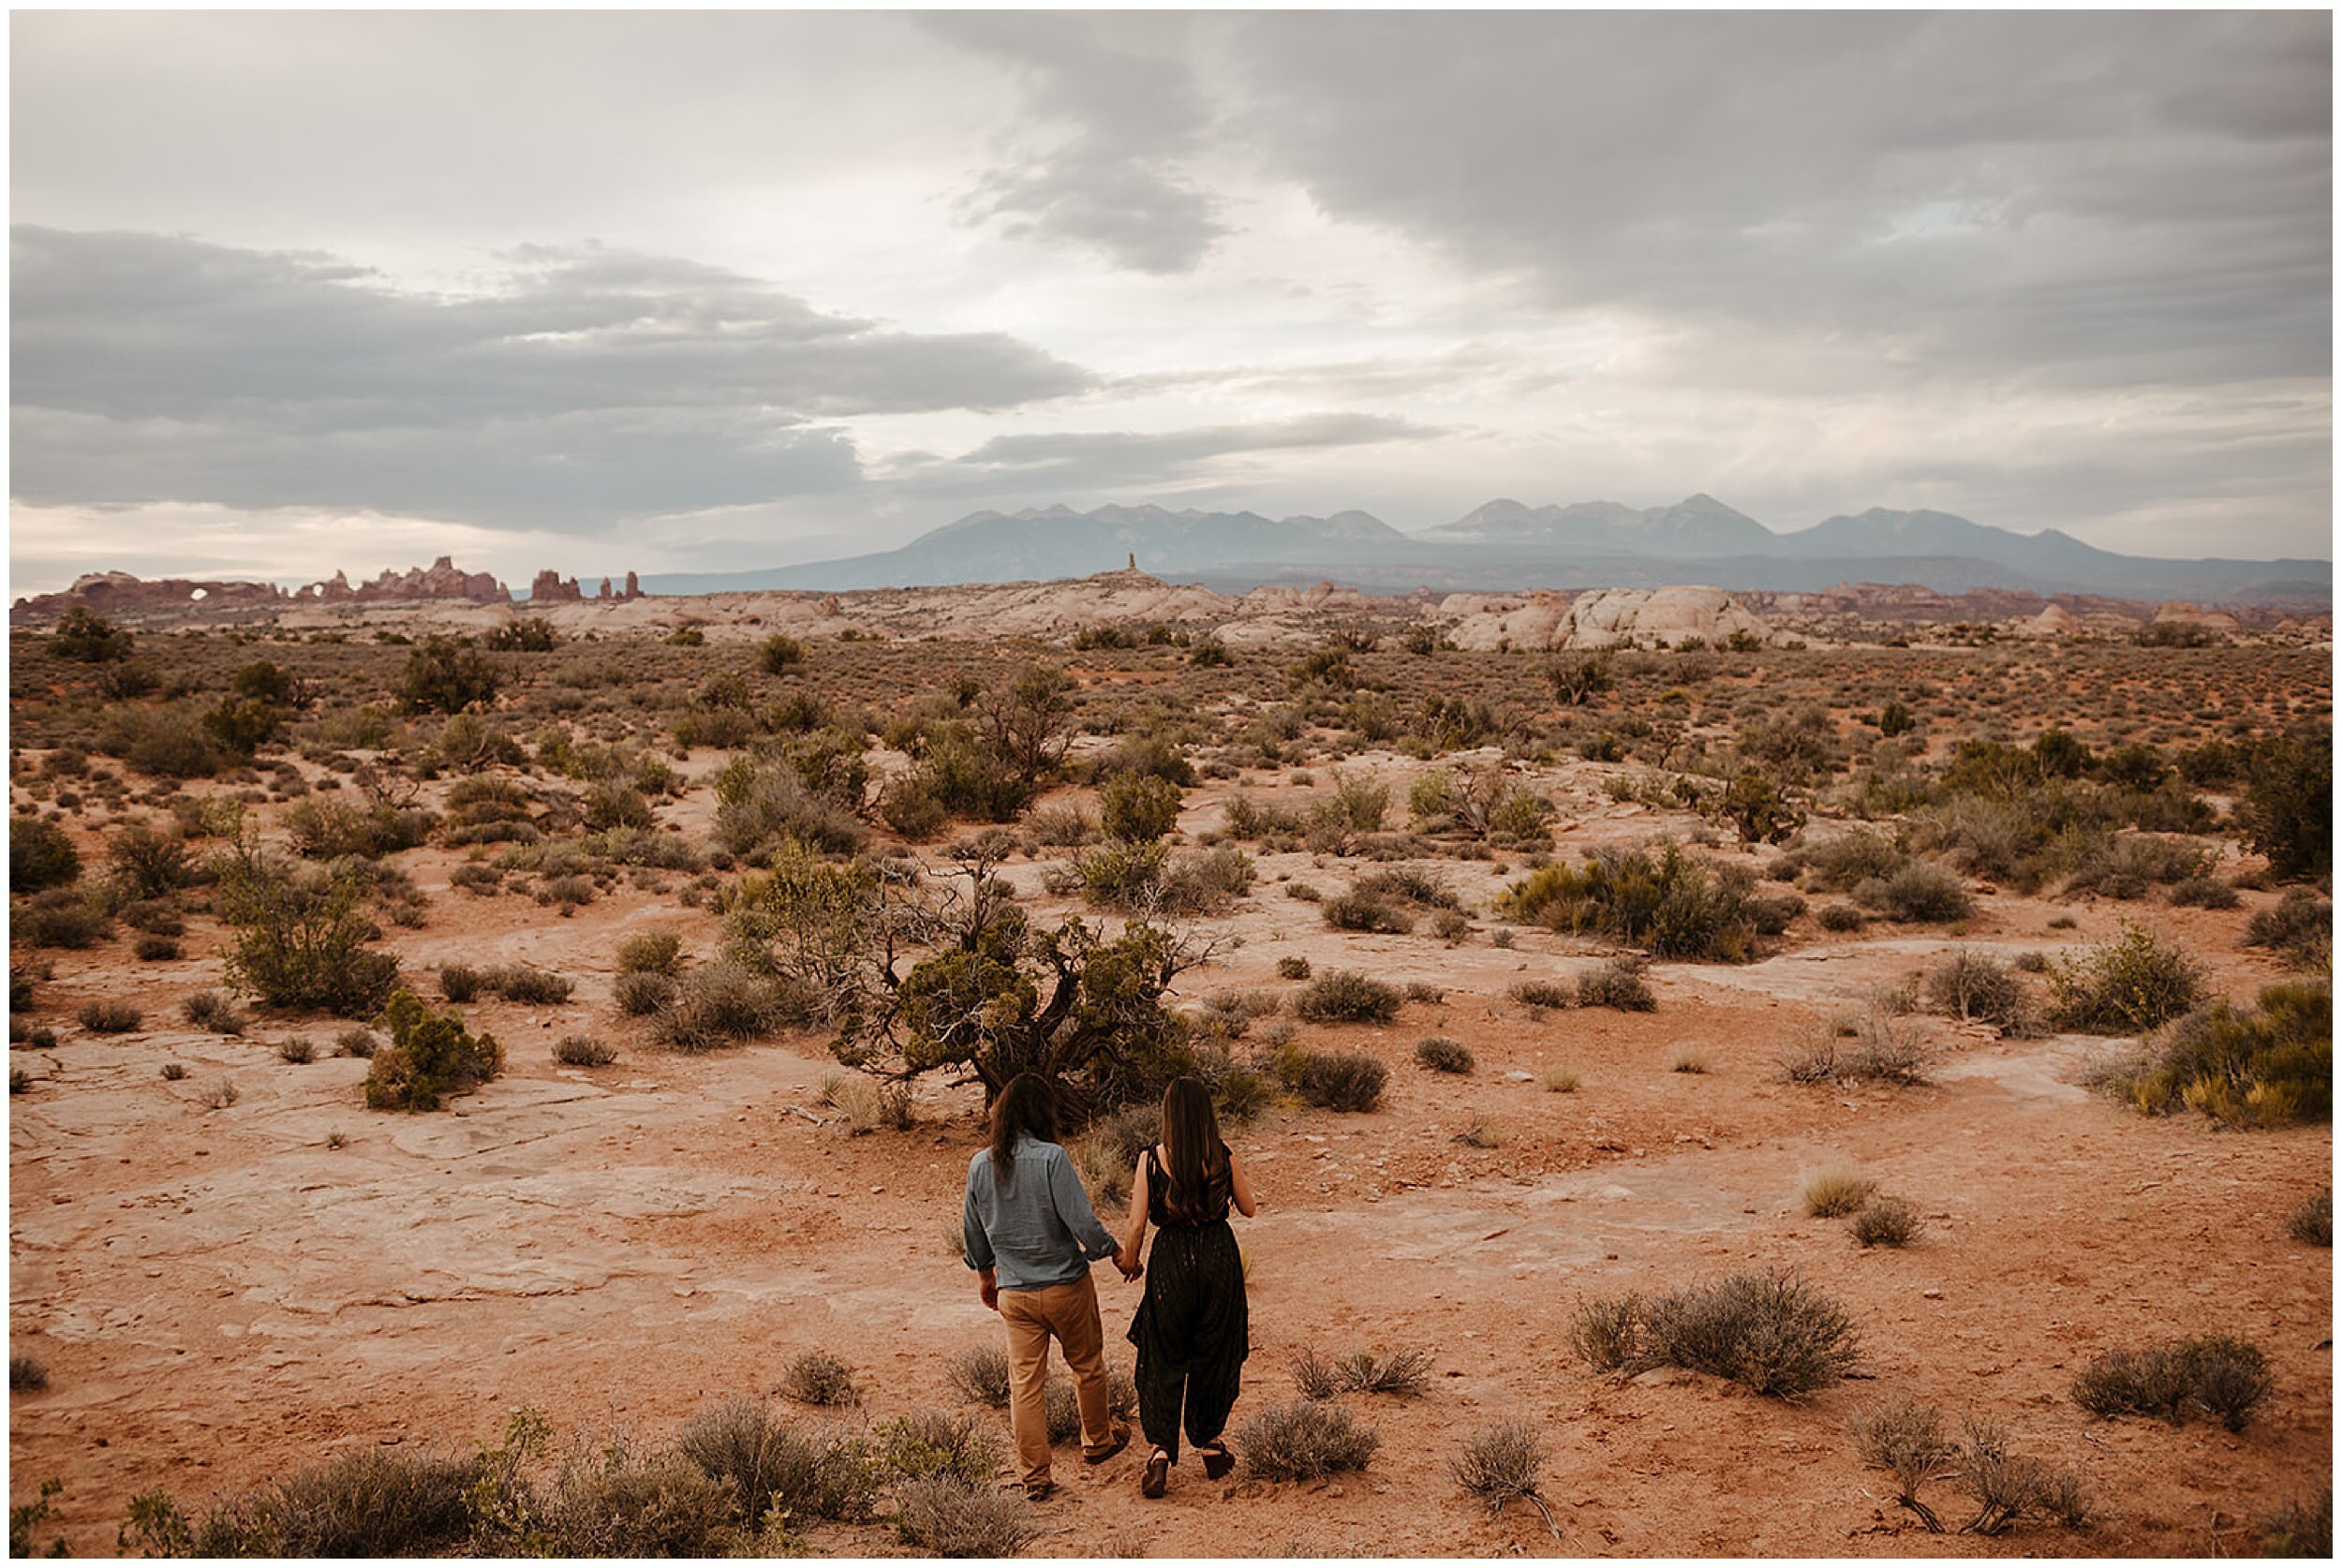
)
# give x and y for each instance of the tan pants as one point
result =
(1069, 1313)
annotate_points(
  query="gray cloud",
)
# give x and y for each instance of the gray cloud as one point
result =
(1009, 470)
(2080, 200)
(596, 384)
(1114, 185)
(2067, 269)
(1157, 449)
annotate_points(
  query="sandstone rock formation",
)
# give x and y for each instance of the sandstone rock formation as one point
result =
(442, 580)
(2178, 611)
(551, 587)
(1602, 619)
(1666, 617)
(1483, 621)
(119, 594)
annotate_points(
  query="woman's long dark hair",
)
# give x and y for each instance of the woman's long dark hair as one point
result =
(1193, 1157)
(1026, 1109)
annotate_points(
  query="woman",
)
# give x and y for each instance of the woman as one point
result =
(1193, 1331)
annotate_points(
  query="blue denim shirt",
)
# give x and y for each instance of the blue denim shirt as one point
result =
(1037, 1232)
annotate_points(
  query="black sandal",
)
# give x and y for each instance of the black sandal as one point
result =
(1217, 1460)
(1158, 1474)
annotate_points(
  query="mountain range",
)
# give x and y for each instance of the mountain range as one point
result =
(1506, 545)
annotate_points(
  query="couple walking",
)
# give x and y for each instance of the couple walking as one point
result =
(1030, 1235)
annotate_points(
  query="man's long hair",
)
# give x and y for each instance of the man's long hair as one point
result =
(1193, 1157)
(1026, 1109)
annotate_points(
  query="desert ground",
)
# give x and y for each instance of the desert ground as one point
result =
(220, 1290)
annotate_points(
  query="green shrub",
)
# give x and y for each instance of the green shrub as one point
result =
(1443, 1055)
(932, 1443)
(1202, 881)
(1121, 874)
(578, 1050)
(1906, 1437)
(1405, 1373)
(1841, 917)
(815, 1377)
(1293, 966)
(1757, 809)
(609, 1501)
(149, 862)
(1618, 984)
(2288, 810)
(60, 917)
(461, 983)
(2204, 892)
(430, 1056)
(1919, 893)
(757, 806)
(1770, 1332)
(1499, 1463)
(2301, 1529)
(1139, 807)
(777, 653)
(2127, 985)
(323, 827)
(447, 674)
(1835, 1191)
(657, 951)
(518, 982)
(2225, 1377)
(1541, 992)
(948, 1516)
(1346, 996)
(2313, 1222)
(110, 1017)
(726, 1002)
(162, 743)
(1671, 904)
(2300, 926)
(242, 727)
(524, 633)
(1304, 1440)
(640, 993)
(1888, 1222)
(770, 1464)
(1846, 860)
(214, 1013)
(1360, 912)
(368, 1502)
(40, 856)
(2269, 1066)
(85, 637)
(300, 938)
(1334, 1080)
(1978, 986)
(1577, 678)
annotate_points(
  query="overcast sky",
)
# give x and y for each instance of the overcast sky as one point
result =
(603, 290)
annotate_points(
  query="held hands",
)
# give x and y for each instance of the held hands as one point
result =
(1126, 1261)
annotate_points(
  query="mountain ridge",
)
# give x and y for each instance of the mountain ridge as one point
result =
(1506, 544)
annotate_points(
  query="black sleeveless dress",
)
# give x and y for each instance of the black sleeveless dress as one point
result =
(1194, 1329)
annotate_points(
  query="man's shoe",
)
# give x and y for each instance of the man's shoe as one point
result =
(1120, 1440)
(1042, 1493)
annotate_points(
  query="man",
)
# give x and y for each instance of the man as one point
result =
(1031, 1235)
